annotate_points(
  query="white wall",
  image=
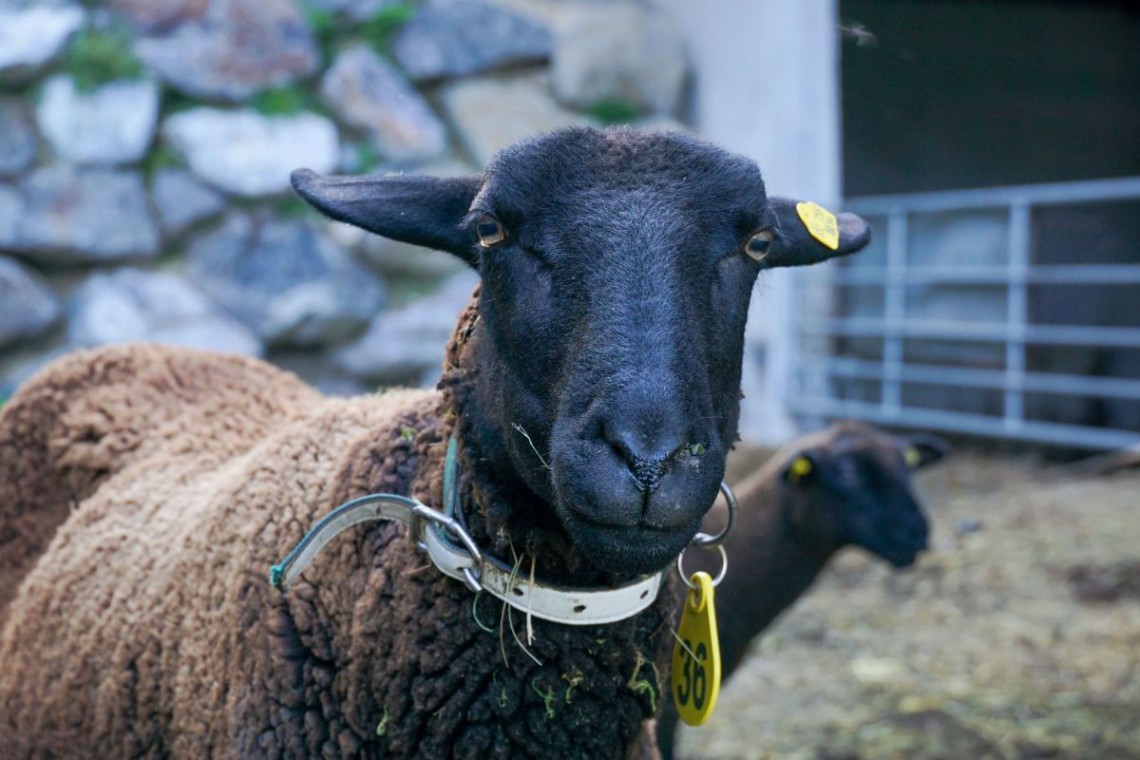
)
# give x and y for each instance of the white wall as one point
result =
(767, 86)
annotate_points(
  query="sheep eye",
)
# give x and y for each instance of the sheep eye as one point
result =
(759, 244)
(490, 231)
(913, 457)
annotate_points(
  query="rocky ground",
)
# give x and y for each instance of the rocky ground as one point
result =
(1017, 636)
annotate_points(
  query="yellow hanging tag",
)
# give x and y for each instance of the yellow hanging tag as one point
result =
(820, 222)
(696, 655)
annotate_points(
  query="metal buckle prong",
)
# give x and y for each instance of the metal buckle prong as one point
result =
(470, 576)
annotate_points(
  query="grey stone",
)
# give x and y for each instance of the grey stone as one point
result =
(286, 280)
(618, 53)
(114, 124)
(157, 15)
(20, 370)
(549, 13)
(67, 215)
(181, 200)
(491, 113)
(245, 153)
(161, 307)
(31, 36)
(234, 49)
(402, 345)
(338, 385)
(964, 526)
(450, 38)
(315, 369)
(11, 215)
(357, 10)
(403, 259)
(18, 5)
(367, 92)
(18, 145)
(660, 123)
(356, 157)
(27, 305)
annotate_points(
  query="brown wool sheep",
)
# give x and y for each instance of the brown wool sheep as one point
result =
(591, 426)
(848, 485)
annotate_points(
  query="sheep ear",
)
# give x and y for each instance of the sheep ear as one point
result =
(808, 234)
(922, 449)
(415, 209)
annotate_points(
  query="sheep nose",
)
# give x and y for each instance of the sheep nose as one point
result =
(918, 533)
(648, 457)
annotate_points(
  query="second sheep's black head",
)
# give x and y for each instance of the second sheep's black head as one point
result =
(854, 488)
(617, 267)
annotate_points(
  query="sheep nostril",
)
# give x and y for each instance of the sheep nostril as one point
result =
(647, 470)
(648, 440)
(648, 473)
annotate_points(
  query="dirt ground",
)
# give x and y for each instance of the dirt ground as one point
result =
(1016, 636)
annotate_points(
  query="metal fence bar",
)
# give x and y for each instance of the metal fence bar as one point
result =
(949, 330)
(1064, 274)
(1017, 314)
(1089, 191)
(894, 310)
(1078, 436)
(974, 377)
(1014, 334)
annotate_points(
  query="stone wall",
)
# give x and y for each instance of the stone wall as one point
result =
(146, 146)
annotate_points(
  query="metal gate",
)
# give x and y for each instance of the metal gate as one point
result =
(1008, 312)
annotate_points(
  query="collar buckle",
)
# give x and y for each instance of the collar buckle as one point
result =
(467, 567)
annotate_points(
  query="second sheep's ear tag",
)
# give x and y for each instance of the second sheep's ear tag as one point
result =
(696, 654)
(820, 222)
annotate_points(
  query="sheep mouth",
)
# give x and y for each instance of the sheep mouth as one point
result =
(899, 555)
(637, 549)
(903, 559)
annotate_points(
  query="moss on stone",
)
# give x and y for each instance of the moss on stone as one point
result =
(96, 57)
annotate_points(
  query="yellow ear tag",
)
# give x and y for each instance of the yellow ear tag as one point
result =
(820, 222)
(696, 655)
(800, 467)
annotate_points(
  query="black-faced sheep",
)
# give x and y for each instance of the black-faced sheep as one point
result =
(593, 391)
(848, 485)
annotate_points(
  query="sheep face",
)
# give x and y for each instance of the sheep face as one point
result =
(617, 268)
(855, 490)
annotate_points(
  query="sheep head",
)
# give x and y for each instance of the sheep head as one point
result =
(854, 489)
(616, 270)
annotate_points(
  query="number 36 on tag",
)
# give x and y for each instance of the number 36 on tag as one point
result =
(696, 654)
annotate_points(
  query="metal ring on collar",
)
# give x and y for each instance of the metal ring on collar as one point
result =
(704, 540)
(470, 578)
(716, 580)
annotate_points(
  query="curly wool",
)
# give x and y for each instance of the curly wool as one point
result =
(93, 413)
(147, 627)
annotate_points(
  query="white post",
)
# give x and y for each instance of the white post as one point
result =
(767, 86)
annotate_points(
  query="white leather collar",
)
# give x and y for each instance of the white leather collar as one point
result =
(464, 561)
(559, 604)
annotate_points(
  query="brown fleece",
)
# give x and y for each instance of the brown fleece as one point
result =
(147, 627)
(95, 412)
